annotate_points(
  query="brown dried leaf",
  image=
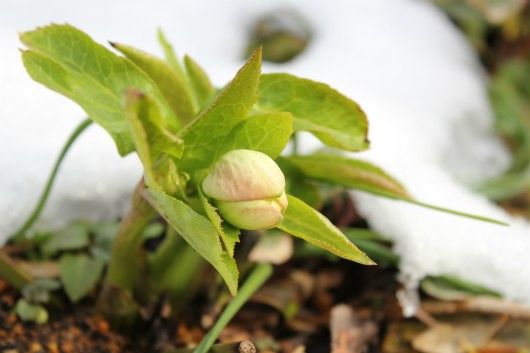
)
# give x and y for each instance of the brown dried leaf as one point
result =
(457, 336)
(479, 304)
(273, 247)
(349, 335)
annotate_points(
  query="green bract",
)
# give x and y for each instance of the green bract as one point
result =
(248, 188)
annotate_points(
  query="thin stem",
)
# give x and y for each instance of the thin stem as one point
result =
(255, 280)
(51, 179)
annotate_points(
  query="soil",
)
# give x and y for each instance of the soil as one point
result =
(74, 330)
(314, 286)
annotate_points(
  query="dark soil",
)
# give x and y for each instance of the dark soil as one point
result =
(313, 286)
(72, 331)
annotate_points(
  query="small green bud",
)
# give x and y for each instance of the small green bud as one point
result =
(248, 188)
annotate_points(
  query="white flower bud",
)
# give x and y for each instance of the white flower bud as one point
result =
(248, 188)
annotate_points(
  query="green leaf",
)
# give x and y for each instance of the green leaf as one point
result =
(170, 55)
(39, 290)
(79, 274)
(363, 234)
(299, 186)
(376, 247)
(333, 118)
(104, 234)
(200, 82)
(267, 133)
(453, 288)
(173, 87)
(153, 230)
(229, 235)
(31, 312)
(74, 236)
(148, 134)
(305, 191)
(364, 176)
(507, 186)
(173, 269)
(135, 107)
(348, 172)
(372, 245)
(68, 61)
(306, 223)
(229, 108)
(199, 232)
(510, 97)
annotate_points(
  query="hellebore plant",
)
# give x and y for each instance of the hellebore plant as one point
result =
(211, 158)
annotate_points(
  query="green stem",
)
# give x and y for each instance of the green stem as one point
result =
(127, 262)
(255, 280)
(175, 269)
(124, 266)
(51, 179)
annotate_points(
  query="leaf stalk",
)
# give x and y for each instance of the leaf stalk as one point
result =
(51, 179)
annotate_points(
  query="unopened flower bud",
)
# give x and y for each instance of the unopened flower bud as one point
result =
(248, 188)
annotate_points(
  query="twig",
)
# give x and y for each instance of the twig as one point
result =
(500, 324)
(426, 318)
(485, 305)
(236, 347)
(51, 179)
(258, 276)
(39, 269)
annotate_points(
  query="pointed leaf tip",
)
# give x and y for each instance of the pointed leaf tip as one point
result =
(257, 54)
(230, 107)
(304, 222)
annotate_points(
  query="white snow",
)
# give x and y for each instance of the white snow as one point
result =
(411, 71)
